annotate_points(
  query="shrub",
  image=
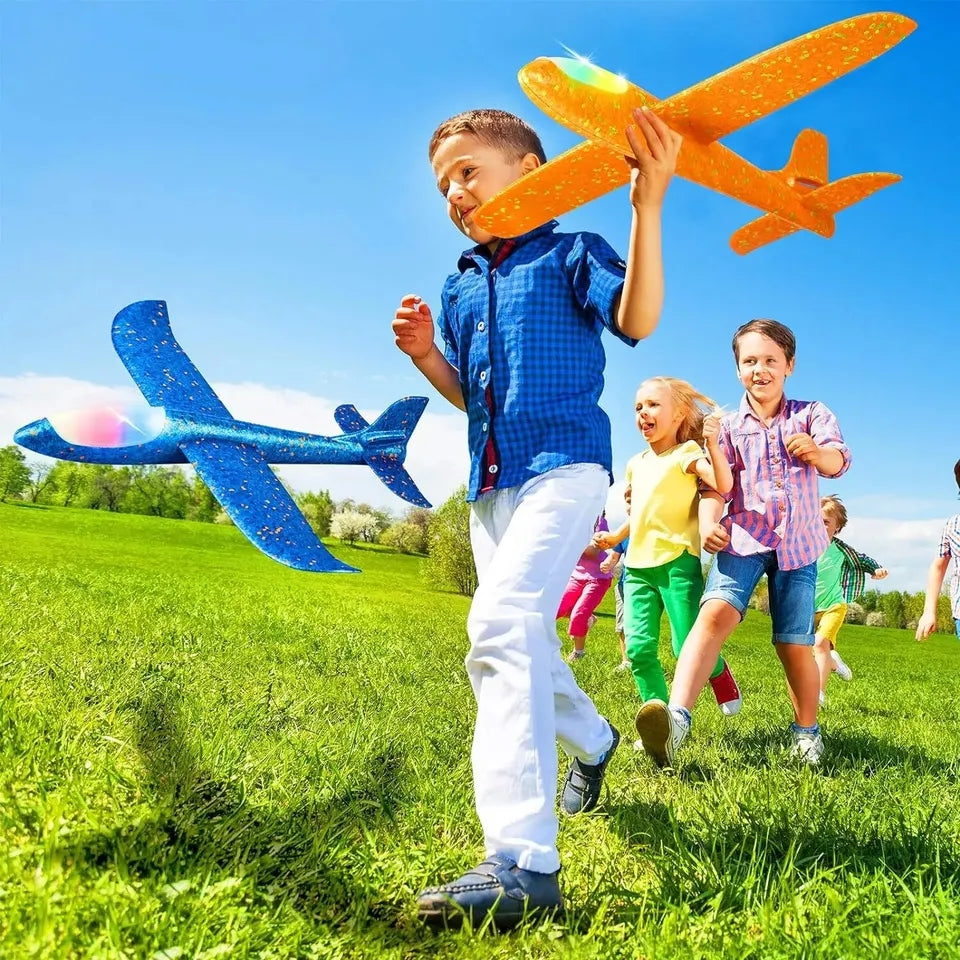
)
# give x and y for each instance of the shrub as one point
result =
(855, 614)
(405, 537)
(451, 559)
(876, 618)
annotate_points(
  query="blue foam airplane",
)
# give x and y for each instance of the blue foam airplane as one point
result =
(186, 421)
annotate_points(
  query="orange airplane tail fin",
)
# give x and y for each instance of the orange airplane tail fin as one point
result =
(807, 167)
(824, 201)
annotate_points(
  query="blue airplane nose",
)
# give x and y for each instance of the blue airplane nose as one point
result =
(32, 434)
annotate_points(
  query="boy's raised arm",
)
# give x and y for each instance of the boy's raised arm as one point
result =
(656, 150)
(413, 334)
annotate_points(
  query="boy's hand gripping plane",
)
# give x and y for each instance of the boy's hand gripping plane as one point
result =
(186, 421)
(599, 105)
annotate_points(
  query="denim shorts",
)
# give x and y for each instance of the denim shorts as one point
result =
(733, 579)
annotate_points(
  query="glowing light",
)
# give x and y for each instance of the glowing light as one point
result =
(109, 426)
(581, 70)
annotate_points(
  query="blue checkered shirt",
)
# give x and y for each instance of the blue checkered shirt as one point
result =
(523, 332)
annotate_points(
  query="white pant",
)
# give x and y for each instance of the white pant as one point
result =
(526, 541)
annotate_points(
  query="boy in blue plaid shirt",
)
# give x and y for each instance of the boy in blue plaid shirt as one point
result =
(521, 322)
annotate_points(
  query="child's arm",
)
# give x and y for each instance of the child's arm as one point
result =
(714, 469)
(609, 539)
(413, 333)
(935, 575)
(713, 535)
(823, 447)
(869, 565)
(641, 300)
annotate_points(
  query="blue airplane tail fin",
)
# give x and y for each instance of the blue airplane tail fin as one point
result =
(385, 443)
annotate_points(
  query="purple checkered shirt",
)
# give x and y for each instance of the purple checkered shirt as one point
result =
(775, 503)
(950, 547)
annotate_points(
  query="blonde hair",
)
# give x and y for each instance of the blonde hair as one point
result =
(691, 403)
(835, 510)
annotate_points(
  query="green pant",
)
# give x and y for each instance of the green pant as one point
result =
(647, 591)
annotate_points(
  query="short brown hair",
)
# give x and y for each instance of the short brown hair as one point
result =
(835, 509)
(956, 473)
(514, 137)
(777, 332)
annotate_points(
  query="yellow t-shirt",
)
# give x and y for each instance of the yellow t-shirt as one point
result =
(663, 506)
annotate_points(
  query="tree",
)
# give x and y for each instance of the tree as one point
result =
(42, 481)
(14, 472)
(351, 526)
(451, 559)
(157, 492)
(891, 604)
(870, 600)
(108, 486)
(203, 505)
(318, 509)
(71, 482)
(761, 596)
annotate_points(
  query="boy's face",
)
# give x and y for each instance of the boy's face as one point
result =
(829, 521)
(762, 367)
(469, 172)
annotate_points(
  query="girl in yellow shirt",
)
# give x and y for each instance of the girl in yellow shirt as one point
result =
(662, 564)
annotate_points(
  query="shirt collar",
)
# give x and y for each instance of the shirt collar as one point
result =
(470, 256)
(747, 411)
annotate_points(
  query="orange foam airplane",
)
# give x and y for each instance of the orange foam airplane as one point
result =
(598, 105)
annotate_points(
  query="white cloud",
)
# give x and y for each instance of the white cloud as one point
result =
(436, 454)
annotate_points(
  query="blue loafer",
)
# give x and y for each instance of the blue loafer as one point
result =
(496, 888)
(584, 781)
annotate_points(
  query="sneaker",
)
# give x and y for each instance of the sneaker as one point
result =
(584, 781)
(661, 731)
(622, 667)
(807, 747)
(842, 670)
(497, 889)
(726, 691)
(574, 655)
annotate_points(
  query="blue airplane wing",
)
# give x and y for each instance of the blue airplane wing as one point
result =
(164, 373)
(241, 479)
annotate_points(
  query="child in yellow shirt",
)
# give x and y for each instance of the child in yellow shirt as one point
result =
(662, 563)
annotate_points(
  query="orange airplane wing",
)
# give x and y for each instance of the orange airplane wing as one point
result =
(730, 100)
(575, 177)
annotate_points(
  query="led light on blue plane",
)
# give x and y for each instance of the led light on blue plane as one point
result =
(187, 422)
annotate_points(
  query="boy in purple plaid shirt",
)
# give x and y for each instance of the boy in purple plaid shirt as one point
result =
(521, 322)
(777, 448)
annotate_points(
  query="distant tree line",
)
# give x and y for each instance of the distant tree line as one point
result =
(442, 536)
(892, 608)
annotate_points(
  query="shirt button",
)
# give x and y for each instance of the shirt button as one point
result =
(493, 468)
(781, 508)
(779, 484)
(484, 428)
(483, 376)
(481, 326)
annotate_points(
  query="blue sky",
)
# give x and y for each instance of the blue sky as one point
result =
(262, 167)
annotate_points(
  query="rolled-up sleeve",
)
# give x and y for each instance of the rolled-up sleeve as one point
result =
(825, 431)
(598, 274)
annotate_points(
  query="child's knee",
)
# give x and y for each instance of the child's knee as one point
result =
(821, 644)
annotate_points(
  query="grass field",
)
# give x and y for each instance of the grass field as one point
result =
(204, 754)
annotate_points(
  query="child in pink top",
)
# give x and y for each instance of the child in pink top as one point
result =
(587, 586)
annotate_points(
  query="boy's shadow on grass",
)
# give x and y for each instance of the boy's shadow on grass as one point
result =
(307, 857)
